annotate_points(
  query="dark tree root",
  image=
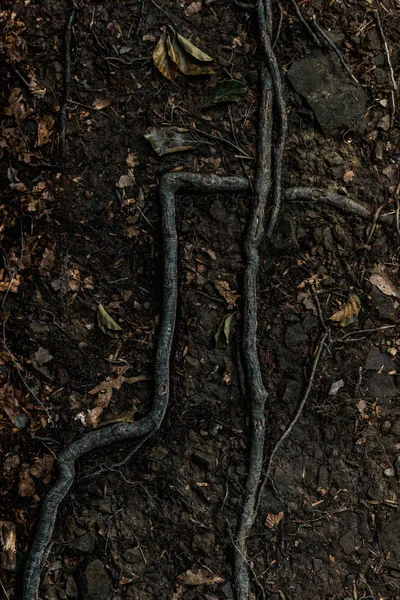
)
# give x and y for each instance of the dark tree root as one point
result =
(119, 432)
(343, 203)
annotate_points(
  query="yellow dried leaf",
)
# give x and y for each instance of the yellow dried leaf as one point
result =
(162, 60)
(193, 50)
(107, 323)
(349, 311)
(188, 62)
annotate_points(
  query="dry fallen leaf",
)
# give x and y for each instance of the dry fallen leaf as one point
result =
(166, 140)
(101, 103)
(380, 279)
(224, 289)
(45, 130)
(7, 284)
(126, 181)
(348, 176)
(191, 578)
(273, 520)
(193, 8)
(132, 160)
(348, 312)
(162, 60)
(107, 323)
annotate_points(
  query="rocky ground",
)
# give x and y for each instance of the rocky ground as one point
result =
(85, 230)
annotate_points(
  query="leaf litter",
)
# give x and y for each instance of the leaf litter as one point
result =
(174, 52)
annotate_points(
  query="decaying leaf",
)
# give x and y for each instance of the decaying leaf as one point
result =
(107, 323)
(192, 579)
(101, 103)
(225, 91)
(45, 130)
(173, 51)
(132, 160)
(193, 8)
(224, 328)
(126, 181)
(162, 60)
(224, 289)
(348, 313)
(190, 59)
(273, 520)
(166, 140)
(9, 284)
(381, 280)
(8, 536)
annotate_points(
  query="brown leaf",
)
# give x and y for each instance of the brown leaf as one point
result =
(381, 280)
(45, 130)
(132, 160)
(162, 60)
(273, 520)
(189, 62)
(101, 103)
(166, 140)
(229, 295)
(193, 50)
(26, 483)
(7, 284)
(193, 8)
(348, 312)
(8, 536)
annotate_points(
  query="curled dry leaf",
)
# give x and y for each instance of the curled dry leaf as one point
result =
(9, 284)
(173, 51)
(190, 59)
(223, 331)
(273, 520)
(192, 579)
(107, 323)
(380, 279)
(230, 295)
(101, 103)
(166, 140)
(162, 60)
(348, 313)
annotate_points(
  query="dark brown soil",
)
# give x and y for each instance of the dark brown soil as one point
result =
(73, 237)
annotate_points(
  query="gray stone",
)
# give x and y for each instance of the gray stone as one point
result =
(71, 588)
(217, 211)
(377, 360)
(395, 429)
(81, 545)
(94, 582)
(390, 539)
(381, 388)
(336, 102)
(347, 542)
(133, 556)
(295, 336)
(205, 461)
(204, 542)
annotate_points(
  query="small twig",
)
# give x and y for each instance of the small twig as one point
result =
(278, 29)
(304, 22)
(139, 24)
(387, 53)
(296, 417)
(7, 597)
(334, 48)
(67, 77)
(166, 14)
(397, 214)
(362, 331)
(6, 348)
(319, 310)
(374, 224)
(219, 139)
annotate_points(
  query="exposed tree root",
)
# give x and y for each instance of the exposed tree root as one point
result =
(303, 194)
(119, 432)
